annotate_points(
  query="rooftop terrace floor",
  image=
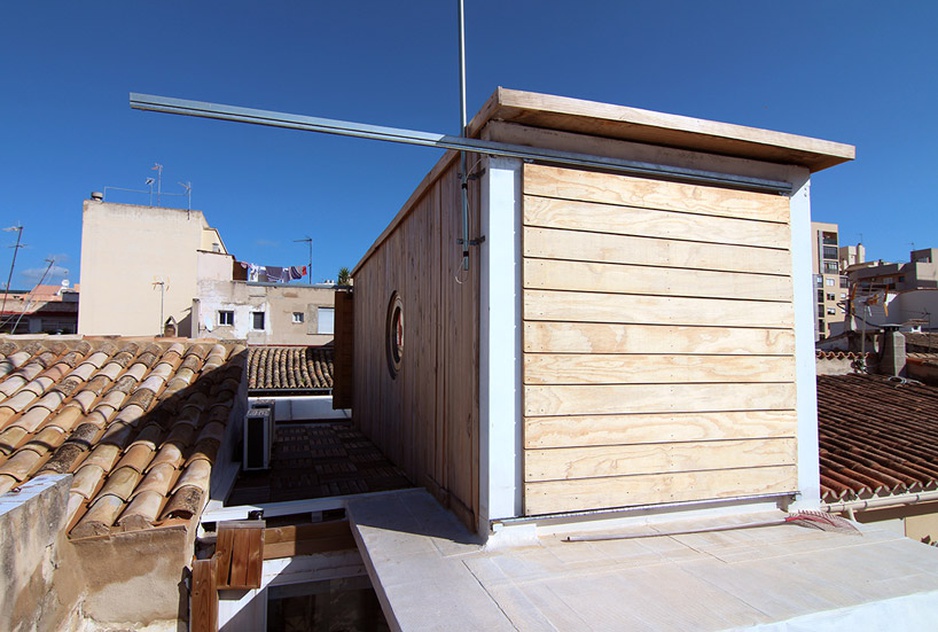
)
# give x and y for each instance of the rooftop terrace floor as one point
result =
(317, 460)
(429, 572)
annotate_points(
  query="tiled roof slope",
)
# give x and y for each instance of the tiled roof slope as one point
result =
(878, 436)
(138, 422)
(272, 368)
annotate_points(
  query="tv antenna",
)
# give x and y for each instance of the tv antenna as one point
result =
(16, 248)
(309, 270)
(158, 168)
(187, 187)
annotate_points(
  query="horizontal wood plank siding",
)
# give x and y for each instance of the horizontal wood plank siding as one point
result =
(658, 342)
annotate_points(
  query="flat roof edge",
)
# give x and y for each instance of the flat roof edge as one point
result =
(634, 124)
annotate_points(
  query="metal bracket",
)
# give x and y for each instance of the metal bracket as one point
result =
(472, 242)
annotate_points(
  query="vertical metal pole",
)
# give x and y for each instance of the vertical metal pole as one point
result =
(16, 249)
(463, 162)
(309, 271)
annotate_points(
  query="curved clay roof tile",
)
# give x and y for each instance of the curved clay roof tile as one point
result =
(142, 512)
(87, 479)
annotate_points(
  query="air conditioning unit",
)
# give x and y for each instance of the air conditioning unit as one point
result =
(258, 438)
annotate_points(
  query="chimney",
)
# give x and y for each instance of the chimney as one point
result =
(97, 196)
(892, 359)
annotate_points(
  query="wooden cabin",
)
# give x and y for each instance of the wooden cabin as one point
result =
(633, 328)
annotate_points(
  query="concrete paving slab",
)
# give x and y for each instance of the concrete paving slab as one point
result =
(431, 574)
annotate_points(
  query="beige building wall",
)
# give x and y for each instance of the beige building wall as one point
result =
(292, 314)
(134, 256)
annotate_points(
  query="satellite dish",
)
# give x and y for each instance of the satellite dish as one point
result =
(65, 283)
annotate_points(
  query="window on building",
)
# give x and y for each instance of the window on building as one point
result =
(830, 252)
(831, 296)
(258, 320)
(820, 296)
(225, 317)
(831, 311)
(829, 282)
(844, 282)
(828, 238)
(298, 317)
(843, 296)
(831, 267)
(819, 280)
(326, 317)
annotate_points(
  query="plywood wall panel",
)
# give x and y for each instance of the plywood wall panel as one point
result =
(614, 368)
(636, 428)
(649, 398)
(591, 186)
(643, 222)
(582, 276)
(649, 489)
(653, 458)
(569, 245)
(568, 337)
(667, 310)
(658, 339)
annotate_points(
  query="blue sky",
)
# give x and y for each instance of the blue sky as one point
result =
(856, 72)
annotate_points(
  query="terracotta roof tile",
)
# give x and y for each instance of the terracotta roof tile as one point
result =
(138, 424)
(878, 436)
(272, 368)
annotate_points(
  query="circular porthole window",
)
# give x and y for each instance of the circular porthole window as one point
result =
(394, 336)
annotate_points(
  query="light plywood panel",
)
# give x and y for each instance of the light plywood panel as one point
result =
(667, 310)
(591, 186)
(549, 243)
(551, 274)
(566, 337)
(630, 460)
(605, 430)
(644, 222)
(655, 398)
(654, 369)
(598, 493)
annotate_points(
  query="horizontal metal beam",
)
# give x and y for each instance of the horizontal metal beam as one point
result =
(220, 112)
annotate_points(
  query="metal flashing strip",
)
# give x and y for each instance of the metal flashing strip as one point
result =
(300, 122)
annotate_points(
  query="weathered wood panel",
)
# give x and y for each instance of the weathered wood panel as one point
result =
(204, 597)
(653, 458)
(424, 418)
(658, 342)
(666, 487)
(633, 429)
(563, 337)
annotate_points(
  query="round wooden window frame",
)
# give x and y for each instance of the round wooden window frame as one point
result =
(394, 334)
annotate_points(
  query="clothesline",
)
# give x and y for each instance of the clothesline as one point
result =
(273, 274)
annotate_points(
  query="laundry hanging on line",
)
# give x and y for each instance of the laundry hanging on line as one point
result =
(273, 274)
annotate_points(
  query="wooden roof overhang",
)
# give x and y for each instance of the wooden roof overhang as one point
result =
(604, 120)
(657, 128)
